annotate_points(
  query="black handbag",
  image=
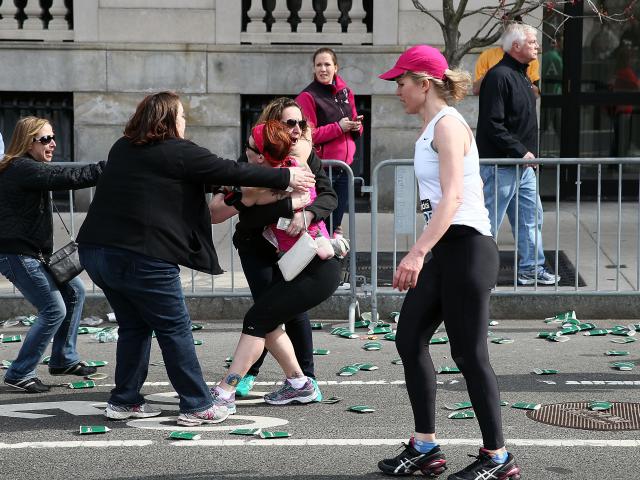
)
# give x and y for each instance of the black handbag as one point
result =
(64, 264)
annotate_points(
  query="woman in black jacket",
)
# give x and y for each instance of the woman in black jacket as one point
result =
(26, 242)
(258, 256)
(149, 214)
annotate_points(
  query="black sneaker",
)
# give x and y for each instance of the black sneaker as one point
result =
(29, 385)
(484, 468)
(80, 369)
(410, 460)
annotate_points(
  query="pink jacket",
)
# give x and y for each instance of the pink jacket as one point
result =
(324, 106)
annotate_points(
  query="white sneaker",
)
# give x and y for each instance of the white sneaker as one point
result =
(213, 414)
(144, 410)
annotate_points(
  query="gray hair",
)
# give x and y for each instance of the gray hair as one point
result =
(516, 32)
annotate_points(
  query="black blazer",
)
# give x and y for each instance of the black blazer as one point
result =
(151, 200)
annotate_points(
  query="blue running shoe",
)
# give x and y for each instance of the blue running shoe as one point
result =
(245, 385)
(317, 389)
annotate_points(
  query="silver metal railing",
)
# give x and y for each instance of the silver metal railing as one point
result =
(198, 284)
(611, 230)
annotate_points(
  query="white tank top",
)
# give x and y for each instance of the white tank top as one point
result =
(472, 211)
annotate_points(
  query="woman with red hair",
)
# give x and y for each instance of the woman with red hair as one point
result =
(269, 145)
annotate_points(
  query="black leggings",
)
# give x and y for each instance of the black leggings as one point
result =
(260, 270)
(282, 301)
(454, 287)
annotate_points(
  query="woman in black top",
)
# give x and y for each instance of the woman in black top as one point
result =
(149, 214)
(26, 242)
(258, 256)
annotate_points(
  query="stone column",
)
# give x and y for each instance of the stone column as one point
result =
(306, 14)
(332, 14)
(280, 14)
(8, 11)
(357, 14)
(58, 12)
(256, 14)
(33, 10)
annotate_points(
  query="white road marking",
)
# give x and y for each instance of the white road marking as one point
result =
(169, 423)
(78, 444)
(310, 442)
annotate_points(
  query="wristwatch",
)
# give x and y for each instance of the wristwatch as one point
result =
(234, 199)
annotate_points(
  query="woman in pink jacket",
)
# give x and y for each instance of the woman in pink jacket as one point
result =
(329, 105)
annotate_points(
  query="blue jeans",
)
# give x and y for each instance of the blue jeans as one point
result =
(146, 296)
(340, 184)
(528, 204)
(59, 313)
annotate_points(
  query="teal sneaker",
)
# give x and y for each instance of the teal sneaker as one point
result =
(245, 385)
(317, 389)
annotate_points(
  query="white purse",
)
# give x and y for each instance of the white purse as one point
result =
(299, 256)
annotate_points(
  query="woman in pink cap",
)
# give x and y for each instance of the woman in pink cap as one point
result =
(449, 272)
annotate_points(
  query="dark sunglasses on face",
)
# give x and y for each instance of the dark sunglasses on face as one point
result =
(247, 146)
(46, 140)
(291, 123)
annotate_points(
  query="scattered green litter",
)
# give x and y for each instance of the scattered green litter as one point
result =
(448, 370)
(362, 324)
(390, 336)
(196, 326)
(561, 317)
(348, 370)
(600, 406)
(372, 346)
(623, 340)
(184, 436)
(616, 353)
(397, 361)
(624, 366)
(367, 316)
(12, 339)
(544, 371)
(264, 434)
(92, 429)
(245, 431)
(526, 406)
(596, 332)
(197, 342)
(458, 406)
(84, 384)
(321, 351)
(317, 326)
(90, 330)
(438, 340)
(361, 409)
(462, 415)
(501, 341)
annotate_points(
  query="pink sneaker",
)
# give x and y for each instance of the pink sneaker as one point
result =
(213, 414)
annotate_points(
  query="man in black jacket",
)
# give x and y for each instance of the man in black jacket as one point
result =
(508, 128)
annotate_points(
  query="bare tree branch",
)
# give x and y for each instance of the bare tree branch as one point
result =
(421, 8)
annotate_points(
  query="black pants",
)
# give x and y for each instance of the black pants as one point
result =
(261, 271)
(454, 287)
(282, 300)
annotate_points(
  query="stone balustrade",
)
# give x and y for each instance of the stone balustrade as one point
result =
(308, 21)
(36, 20)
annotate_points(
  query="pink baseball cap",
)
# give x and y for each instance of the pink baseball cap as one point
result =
(421, 58)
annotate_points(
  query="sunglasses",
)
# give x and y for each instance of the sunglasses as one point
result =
(247, 146)
(46, 140)
(291, 123)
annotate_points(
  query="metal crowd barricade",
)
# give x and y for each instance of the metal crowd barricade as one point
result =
(535, 289)
(207, 287)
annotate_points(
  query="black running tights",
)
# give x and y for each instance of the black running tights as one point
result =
(453, 287)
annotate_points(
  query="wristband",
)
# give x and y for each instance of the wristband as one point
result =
(234, 199)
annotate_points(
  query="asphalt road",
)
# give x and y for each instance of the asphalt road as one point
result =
(39, 433)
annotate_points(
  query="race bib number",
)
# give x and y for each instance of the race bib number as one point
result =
(427, 211)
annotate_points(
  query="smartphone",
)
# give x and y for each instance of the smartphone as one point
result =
(283, 223)
(358, 118)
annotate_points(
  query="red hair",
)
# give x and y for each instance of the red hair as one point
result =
(273, 141)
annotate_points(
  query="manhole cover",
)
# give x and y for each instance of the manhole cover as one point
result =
(621, 416)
